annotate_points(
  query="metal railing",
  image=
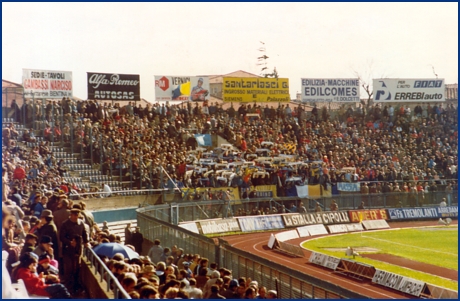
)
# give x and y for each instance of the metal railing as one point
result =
(153, 222)
(104, 273)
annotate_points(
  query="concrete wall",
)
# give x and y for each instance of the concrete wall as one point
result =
(95, 287)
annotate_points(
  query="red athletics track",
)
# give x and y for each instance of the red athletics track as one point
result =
(256, 243)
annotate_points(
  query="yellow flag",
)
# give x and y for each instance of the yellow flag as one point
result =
(185, 89)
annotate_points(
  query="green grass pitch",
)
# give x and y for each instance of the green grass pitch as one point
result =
(433, 245)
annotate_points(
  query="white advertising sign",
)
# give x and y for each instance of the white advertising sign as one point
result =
(408, 90)
(330, 89)
(181, 88)
(47, 83)
(377, 224)
(287, 235)
(191, 227)
(338, 228)
(398, 282)
(324, 260)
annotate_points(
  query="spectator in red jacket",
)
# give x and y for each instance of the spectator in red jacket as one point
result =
(19, 173)
(35, 283)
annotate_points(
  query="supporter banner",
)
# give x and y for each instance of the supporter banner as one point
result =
(113, 86)
(354, 227)
(191, 227)
(330, 89)
(337, 228)
(330, 217)
(287, 235)
(423, 212)
(324, 260)
(302, 191)
(256, 223)
(203, 139)
(219, 226)
(401, 283)
(408, 90)
(183, 88)
(255, 89)
(47, 83)
(373, 225)
(367, 214)
(316, 230)
(266, 191)
(342, 186)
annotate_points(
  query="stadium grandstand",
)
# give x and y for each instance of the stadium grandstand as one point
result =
(63, 160)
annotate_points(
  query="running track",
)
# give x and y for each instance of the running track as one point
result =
(256, 244)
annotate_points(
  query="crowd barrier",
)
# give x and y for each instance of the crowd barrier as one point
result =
(154, 224)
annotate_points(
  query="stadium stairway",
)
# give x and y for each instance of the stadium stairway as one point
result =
(118, 228)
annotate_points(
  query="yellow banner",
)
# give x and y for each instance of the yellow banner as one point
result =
(255, 89)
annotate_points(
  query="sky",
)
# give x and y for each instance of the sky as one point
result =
(302, 40)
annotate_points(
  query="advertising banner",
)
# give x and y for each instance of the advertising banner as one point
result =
(219, 226)
(190, 226)
(367, 214)
(400, 283)
(355, 227)
(423, 212)
(330, 89)
(256, 223)
(312, 230)
(325, 218)
(47, 83)
(113, 86)
(181, 88)
(255, 89)
(374, 225)
(408, 90)
(449, 211)
(324, 260)
(337, 228)
(287, 235)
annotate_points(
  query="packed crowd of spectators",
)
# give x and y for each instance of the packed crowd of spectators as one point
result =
(389, 144)
(389, 149)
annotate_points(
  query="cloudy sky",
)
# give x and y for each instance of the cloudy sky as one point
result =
(309, 40)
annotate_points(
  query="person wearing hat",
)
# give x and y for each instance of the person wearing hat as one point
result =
(231, 291)
(272, 294)
(73, 237)
(29, 244)
(62, 212)
(46, 227)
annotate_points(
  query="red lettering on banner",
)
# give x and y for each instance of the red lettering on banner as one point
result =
(36, 84)
(369, 214)
(61, 85)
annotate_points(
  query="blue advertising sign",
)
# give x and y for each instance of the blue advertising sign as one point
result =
(423, 212)
(256, 223)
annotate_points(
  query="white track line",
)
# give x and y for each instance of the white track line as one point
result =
(401, 244)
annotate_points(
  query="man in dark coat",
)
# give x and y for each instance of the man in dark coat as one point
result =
(73, 238)
(137, 240)
(48, 228)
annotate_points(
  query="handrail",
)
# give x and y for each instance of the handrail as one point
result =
(105, 274)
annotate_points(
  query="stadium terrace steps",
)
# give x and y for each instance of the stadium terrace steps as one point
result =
(118, 228)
